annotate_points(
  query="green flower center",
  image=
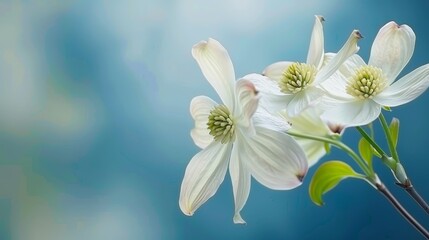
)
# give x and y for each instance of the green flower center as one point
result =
(367, 82)
(297, 77)
(221, 124)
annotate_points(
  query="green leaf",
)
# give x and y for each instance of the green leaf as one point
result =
(387, 108)
(327, 148)
(327, 176)
(394, 130)
(375, 152)
(365, 151)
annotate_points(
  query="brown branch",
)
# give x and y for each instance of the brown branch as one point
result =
(414, 194)
(382, 188)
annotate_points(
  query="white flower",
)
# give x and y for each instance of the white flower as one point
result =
(298, 81)
(231, 138)
(359, 90)
(309, 122)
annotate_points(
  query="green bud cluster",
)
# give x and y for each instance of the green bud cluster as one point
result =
(367, 82)
(221, 124)
(297, 77)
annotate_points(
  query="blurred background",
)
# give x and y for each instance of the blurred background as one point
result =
(94, 119)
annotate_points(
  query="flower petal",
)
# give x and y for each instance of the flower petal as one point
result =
(271, 98)
(247, 101)
(316, 49)
(335, 87)
(273, 121)
(348, 68)
(354, 113)
(349, 48)
(240, 178)
(308, 122)
(203, 175)
(314, 150)
(275, 71)
(392, 49)
(303, 100)
(274, 159)
(200, 111)
(264, 84)
(405, 89)
(217, 68)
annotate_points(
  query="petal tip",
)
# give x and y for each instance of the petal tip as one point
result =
(320, 18)
(393, 24)
(357, 34)
(238, 219)
(336, 128)
(185, 206)
(199, 45)
(203, 45)
(188, 212)
(300, 177)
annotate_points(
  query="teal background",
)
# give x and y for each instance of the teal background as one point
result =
(94, 119)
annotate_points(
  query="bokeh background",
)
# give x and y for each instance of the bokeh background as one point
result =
(94, 119)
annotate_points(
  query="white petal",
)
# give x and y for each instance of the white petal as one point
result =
(274, 159)
(392, 49)
(355, 113)
(327, 57)
(200, 111)
(264, 84)
(273, 121)
(303, 100)
(349, 48)
(203, 175)
(348, 68)
(247, 101)
(405, 89)
(314, 150)
(308, 121)
(240, 178)
(316, 49)
(275, 71)
(271, 98)
(217, 67)
(335, 87)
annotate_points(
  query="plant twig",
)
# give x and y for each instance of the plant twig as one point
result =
(389, 139)
(362, 164)
(383, 189)
(403, 180)
(390, 162)
(414, 194)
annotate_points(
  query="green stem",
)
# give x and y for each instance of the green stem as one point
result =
(362, 164)
(371, 176)
(386, 129)
(371, 141)
(398, 170)
(384, 157)
(371, 129)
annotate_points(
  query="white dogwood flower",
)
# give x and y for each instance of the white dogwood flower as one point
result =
(232, 137)
(309, 122)
(358, 90)
(298, 81)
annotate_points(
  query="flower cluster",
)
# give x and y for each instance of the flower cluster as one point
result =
(252, 133)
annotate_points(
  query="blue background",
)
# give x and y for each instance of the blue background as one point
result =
(94, 119)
